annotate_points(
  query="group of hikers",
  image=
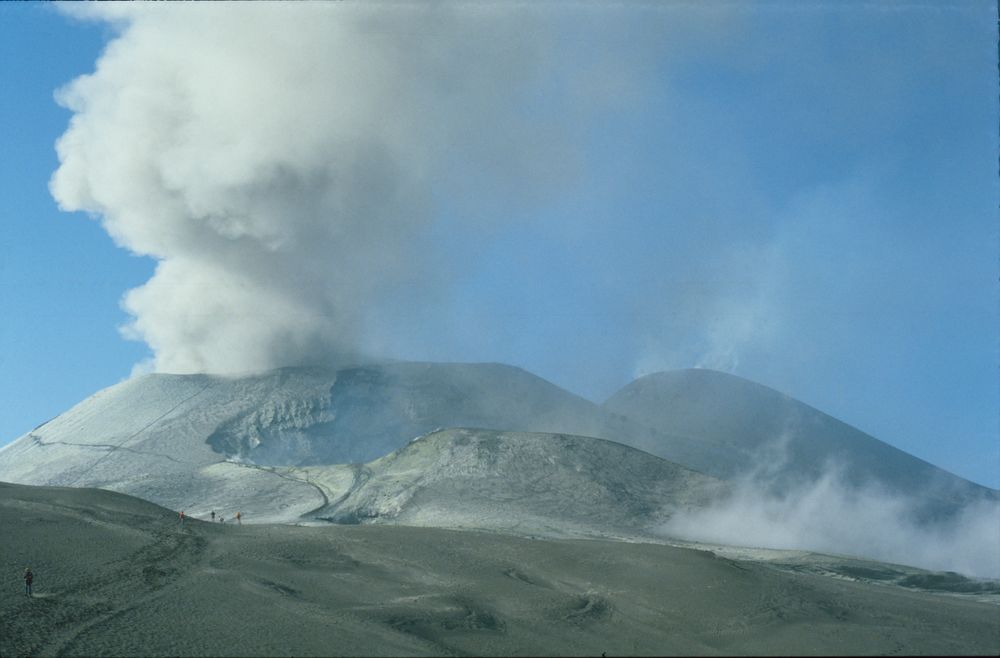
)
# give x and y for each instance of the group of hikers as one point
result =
(238, 517)
(29, 577)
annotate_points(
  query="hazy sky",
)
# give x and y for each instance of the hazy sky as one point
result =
(803, 194)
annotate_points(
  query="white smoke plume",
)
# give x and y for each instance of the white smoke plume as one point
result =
(830, 515)
(278, 160)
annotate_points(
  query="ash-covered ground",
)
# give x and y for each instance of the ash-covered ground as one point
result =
(120, 576)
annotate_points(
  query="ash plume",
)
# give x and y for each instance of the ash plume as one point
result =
(277, 161)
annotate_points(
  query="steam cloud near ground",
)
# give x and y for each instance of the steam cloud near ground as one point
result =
(832, 516)
(277, 161)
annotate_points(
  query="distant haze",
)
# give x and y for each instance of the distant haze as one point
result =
(803, 194)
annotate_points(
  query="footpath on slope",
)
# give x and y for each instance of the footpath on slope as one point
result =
(120, 576)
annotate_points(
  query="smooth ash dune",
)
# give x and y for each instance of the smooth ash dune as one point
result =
(120, 576)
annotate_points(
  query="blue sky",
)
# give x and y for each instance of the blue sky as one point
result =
(803, 194)
(60, 275)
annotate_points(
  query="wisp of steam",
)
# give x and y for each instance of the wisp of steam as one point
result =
(829, 514)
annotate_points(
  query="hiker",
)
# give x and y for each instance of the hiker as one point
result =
(213, 515)
(182, 517)
(222, 519)
(239, 518)
(28, 577)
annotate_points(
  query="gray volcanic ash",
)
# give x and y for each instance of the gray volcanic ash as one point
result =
(120, 576)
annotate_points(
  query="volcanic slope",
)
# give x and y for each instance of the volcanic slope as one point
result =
(147, 437)
(523, 483)
(119, 576)
(171, 438)
(197, 442)
(749, 430)
(298, 416)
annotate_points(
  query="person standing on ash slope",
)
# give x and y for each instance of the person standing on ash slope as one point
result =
(28, 577)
